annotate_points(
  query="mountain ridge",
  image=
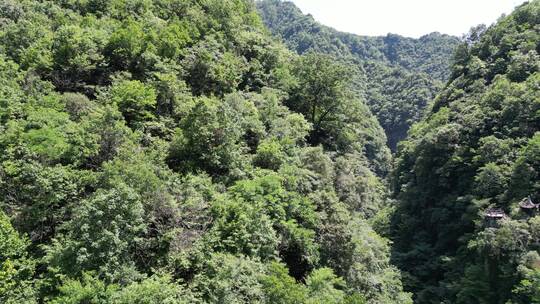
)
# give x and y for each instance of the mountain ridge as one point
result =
(396, 103)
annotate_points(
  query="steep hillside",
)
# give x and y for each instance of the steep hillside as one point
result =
(465, 230)
(170, 151)
(401, 75)
(429, 54)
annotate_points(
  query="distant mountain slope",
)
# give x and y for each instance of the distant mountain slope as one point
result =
(430, 54)
(401, 74)
(465, 230)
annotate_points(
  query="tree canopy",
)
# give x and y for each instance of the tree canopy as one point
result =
(475, 152)
(172, 151)
(395, 75)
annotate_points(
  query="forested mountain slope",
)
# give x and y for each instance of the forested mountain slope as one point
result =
(464, 229)
(170, 151)
(399, 75)
(429, 54)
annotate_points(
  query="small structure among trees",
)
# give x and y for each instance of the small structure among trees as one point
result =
(528, 206)
(493, 216)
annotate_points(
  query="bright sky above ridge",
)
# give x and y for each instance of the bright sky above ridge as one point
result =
(411, 18)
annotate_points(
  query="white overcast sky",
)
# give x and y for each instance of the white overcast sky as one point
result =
(411, 18)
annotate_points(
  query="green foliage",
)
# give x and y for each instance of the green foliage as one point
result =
(126, 45)
(429, 54)
(166, 151)
(319, 92)
(212, 69)
(40, 197)
(357, 186)
(243, 229)
(292, 218)
(270, 155)
(324, 287)
(134, 99)
(102, 235)
(398, 98)
(528, 288)
(340, 121)
(279, 287)
(11, 95)
(77, 51)
(16, 270)
(476, 149)
(51, 136)
(88, 290)
(209, 138)
(153, 290)
(230, 279)
(397, 76)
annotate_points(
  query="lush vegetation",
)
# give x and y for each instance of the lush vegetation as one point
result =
(478, 149)
(171, 151)
(397, 76)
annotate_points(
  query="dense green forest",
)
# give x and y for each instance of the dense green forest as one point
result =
(172, 151)
(397, 76)
(235, 151)
(466, 180)
(462, 231)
